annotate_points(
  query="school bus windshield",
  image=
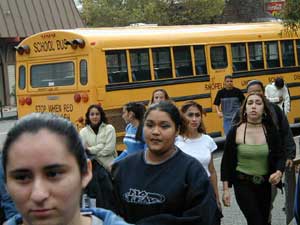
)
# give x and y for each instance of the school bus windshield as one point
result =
(51, 75)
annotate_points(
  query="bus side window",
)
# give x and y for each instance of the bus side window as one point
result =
(298, 50)
(239, 58)
(218, 57)
(272, 54)
(200, 61)
(22, 78)
(83, 72)
(162, 63)
(287, 51)
(140, 66)
(116, 65)
(183, 62)
(256, 55)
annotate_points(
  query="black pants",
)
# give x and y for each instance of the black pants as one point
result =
(254, 201)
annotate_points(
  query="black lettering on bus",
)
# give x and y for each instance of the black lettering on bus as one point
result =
(66, 116)
(60, 44)
(36, 47)
(54, 108)
(296, 77)
(68, 108)
(40, 108)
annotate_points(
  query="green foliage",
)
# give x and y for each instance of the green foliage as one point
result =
(103, 13)
(291, 16)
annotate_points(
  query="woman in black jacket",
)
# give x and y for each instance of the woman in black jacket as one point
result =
(253, 160)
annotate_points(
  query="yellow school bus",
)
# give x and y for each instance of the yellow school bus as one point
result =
(64, 71)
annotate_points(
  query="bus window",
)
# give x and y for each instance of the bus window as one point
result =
(55, 74)
(22, 77)
(298, 50)
(200, 61)
(140, 67)
(162, 63)
(218, 57)
(239, 58)
(272, 55)
(183, 62)
(83, 72)
(256, 56)
(287, 51)
(116, 66)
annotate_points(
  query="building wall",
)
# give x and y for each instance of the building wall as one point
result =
(7, 71)
(238, 11)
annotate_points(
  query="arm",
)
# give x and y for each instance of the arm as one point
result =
(226, 194)
(286, 99)
(297, 201)
(219, 111)
(214, 180)
(107, 145)
(217, 103)
(229, 158)
(287, 135)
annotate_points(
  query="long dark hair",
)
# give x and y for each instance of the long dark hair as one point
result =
(34, 122)
(101, 111)
(267, 118)
(138, 110)
(184, 108)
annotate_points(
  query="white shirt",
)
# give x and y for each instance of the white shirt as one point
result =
(273, 94)
(200, 148)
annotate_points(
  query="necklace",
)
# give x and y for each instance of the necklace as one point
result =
(255, 124)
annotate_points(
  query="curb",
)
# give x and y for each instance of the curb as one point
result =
(9, 118)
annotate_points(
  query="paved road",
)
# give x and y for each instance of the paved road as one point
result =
(5, 125)
(232, 215)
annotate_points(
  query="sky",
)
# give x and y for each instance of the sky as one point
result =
(78, 4)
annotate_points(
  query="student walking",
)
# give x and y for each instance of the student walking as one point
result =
(227, 102)
(163, 185)
(133, 114)
(278, 93)
(253, 160)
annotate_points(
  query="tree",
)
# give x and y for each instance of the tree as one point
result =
(291, 15)
(161, 12)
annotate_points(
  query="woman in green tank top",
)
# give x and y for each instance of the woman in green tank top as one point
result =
(253, 160)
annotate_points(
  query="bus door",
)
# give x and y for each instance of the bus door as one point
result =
(54, 86)
(218, 68)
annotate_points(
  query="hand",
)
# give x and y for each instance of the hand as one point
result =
(219, 205)
(275, 177)
(280, 99)
(226, 198)
(220, 114)
(289, 163)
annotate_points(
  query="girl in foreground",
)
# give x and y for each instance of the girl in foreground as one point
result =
(45, 170)
(253, 160)
(165, 186)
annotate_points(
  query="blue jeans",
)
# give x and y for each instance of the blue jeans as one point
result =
(226, 125)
